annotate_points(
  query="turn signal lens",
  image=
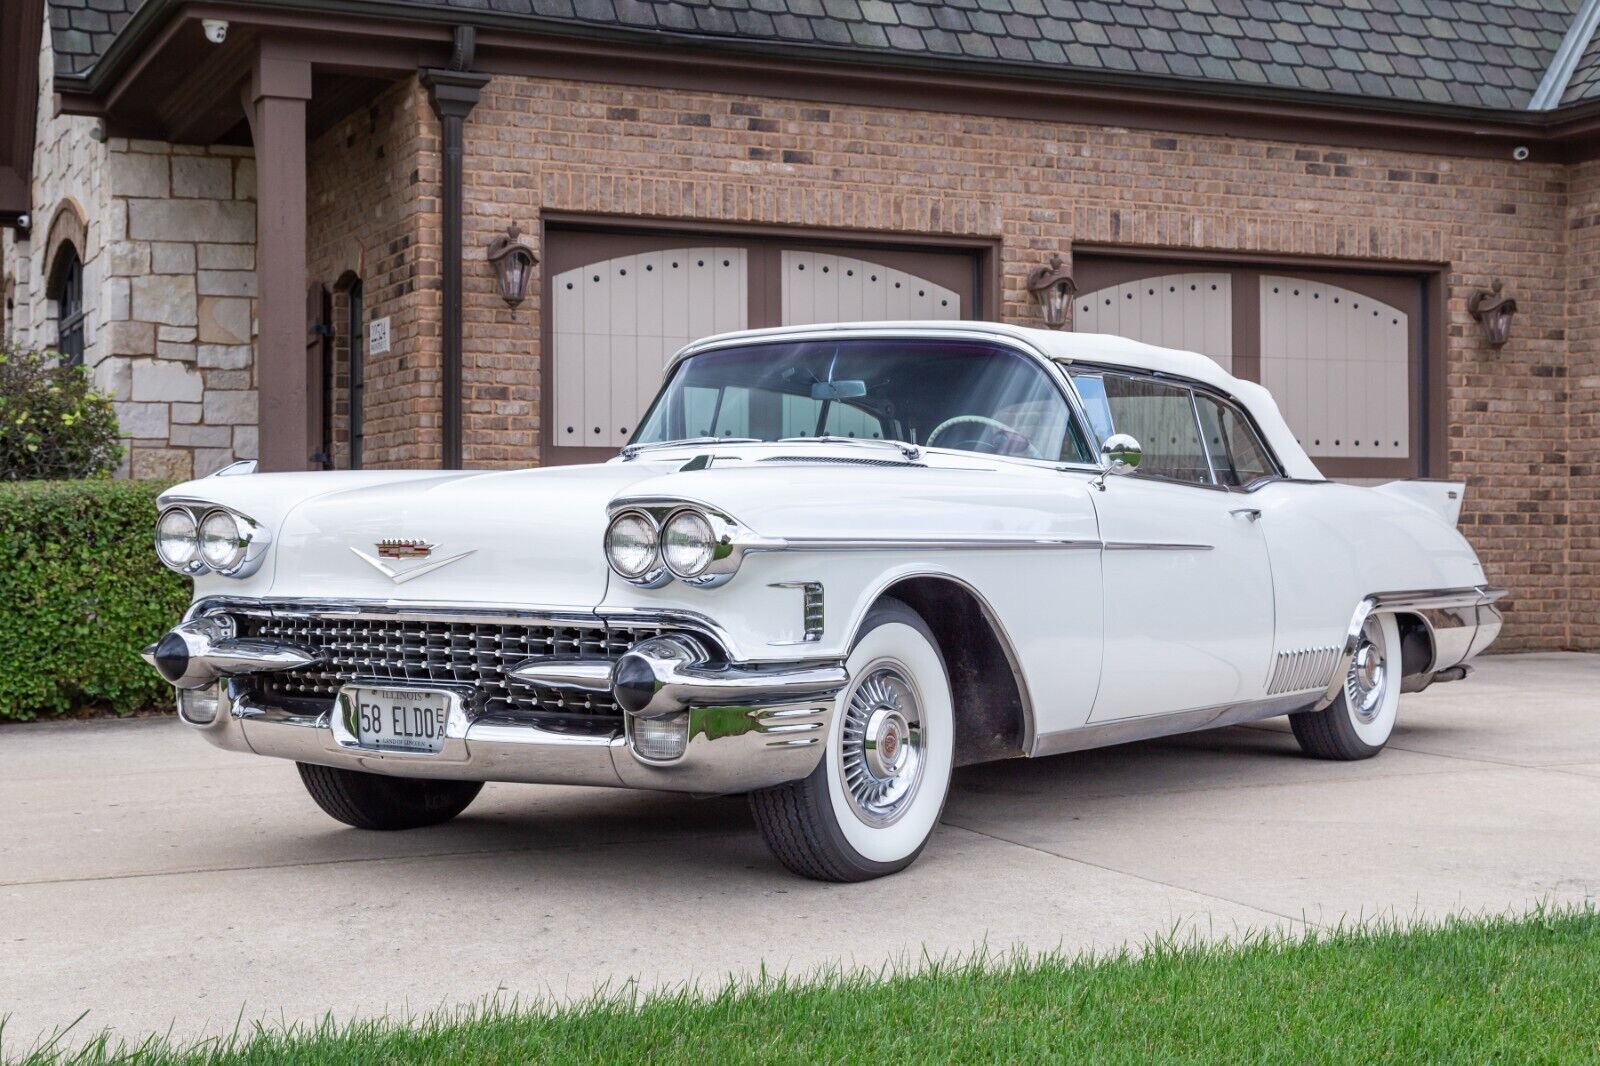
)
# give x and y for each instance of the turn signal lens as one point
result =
(222, 541)
(688, 544)
(631, 545)
(198, 706)
(661, 739)
(177, 541)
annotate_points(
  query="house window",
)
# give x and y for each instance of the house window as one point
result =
(69, 307)
(358, 351)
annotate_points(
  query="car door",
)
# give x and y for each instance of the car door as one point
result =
(1187, 579)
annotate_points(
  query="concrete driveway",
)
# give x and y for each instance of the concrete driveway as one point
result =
(154, 881)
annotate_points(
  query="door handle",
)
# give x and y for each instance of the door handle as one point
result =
(1252, 513)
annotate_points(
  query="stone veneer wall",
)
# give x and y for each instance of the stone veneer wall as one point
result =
(169, 285)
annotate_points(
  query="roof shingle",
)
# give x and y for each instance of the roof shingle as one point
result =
(1470, 53)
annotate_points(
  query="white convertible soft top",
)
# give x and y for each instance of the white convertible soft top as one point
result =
(1090, 348)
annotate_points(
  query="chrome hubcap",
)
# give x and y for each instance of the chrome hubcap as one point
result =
(881, 744)
(1368, 676)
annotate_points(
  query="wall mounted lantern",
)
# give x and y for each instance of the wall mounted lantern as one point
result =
(1052, 288)
(1492, 312)
(513, 262)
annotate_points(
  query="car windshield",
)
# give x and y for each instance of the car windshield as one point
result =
(968, 395)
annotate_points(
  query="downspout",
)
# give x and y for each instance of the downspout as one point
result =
(454, 92)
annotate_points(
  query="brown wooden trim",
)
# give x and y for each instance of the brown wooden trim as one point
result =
(1417, 288)
(21, 30)
(525, 47)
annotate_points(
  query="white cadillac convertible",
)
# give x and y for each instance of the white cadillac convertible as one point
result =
(833, 564)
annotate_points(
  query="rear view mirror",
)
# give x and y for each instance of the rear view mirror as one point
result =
(838, 390)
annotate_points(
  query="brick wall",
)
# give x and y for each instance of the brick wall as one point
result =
(1583, 381)
(372, 203)
(541, 145)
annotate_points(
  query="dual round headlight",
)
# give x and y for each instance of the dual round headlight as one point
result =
(687, 546)
(218, 540)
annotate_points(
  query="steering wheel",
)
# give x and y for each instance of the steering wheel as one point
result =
(983, 420)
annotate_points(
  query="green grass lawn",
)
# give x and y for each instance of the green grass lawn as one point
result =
(1481, 991)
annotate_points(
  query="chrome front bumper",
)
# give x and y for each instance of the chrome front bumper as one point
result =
(748, 726)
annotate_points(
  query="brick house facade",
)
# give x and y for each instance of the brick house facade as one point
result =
(581, 149)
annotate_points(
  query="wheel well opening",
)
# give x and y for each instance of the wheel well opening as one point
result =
(991, 721)
(1416, 644)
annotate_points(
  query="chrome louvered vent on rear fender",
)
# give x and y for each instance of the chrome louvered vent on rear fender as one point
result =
(1303, 670)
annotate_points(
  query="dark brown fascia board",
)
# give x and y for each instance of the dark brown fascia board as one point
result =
(541, 47)
(21, 27)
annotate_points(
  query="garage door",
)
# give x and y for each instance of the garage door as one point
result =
(1341, 351)
(622, 304)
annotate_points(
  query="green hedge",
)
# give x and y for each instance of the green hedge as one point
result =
(81, 592)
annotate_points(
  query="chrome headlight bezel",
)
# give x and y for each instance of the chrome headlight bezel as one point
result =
(655, 574)
(706, 543)
(193, 564)
(731, 541)
(251, 537)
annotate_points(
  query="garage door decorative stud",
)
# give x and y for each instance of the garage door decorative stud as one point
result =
(1052, 288)
(1492, 312)
(513, 262)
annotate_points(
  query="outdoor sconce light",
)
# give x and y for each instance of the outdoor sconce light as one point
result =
(1052, 287)
(513, 264)
(1492, 312)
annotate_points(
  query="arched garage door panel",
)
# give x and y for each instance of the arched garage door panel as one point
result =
(1362, 390)
(1338, 363)
(619, 303)
(616, 322)
(819, 287)
(1191, 311)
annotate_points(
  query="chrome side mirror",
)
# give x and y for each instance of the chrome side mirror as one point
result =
(1121, 454)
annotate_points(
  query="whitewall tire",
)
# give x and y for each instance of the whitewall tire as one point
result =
(874, 799)
(1357, 724)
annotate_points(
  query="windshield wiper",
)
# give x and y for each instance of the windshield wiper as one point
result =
(631, 450)
(910, 451)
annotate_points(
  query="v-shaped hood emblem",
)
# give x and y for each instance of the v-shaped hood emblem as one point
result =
(400, 577)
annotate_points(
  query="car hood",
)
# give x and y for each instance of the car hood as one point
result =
(526, 537)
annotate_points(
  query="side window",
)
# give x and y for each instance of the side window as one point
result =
(1236, 452)
(1160, 416)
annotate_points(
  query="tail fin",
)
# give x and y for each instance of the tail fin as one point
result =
(1443, 498)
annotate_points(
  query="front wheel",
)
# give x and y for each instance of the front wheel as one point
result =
(1357, 724)
(377, 801)
(871, 804)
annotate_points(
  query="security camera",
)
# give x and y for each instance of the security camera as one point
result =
(216, 30)
(1520, 153)
(24, 221)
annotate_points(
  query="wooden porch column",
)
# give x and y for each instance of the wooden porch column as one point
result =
(275, 102)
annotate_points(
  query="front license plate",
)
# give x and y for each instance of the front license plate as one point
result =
(399, 719)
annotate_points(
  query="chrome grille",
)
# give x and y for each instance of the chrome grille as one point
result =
(442, 651)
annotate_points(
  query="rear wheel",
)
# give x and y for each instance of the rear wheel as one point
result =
(377, 801)
(872, 802)
(1357, 724)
